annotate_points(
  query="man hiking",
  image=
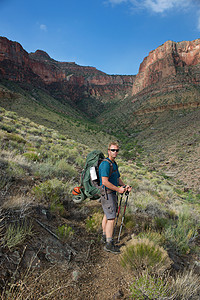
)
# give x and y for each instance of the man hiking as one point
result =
(113, 184)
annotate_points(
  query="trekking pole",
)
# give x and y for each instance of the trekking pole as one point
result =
(127, 194)
(119, 208)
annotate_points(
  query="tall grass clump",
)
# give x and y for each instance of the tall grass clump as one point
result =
(16, 234)
(143, 254)
(186, 285)
(181, 233)
(93, 223)
(52, 191)
(183, 286)
(150, 286)
(156, 237)
(65, 232)
(15, 170)
(60, 169)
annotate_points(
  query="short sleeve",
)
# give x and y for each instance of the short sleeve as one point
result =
(104, 169)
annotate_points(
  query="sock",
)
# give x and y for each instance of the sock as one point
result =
(109, 240)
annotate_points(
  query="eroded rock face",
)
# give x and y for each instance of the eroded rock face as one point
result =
(172, 63)
(74, 81)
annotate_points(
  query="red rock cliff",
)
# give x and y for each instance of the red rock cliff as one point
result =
(169, 62)
(72, 80)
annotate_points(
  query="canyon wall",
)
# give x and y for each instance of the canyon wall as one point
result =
(64, 79)
(169, 67)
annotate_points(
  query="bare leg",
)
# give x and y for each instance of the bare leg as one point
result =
(104, 222)
(109, 228)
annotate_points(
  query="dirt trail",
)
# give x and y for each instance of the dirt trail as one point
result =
(92, 273)
(106, 279)
(101, 278)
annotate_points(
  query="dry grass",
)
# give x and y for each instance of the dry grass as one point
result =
(142, 254)
(17, 202)
(186, 285)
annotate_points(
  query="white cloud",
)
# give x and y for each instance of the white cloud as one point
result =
(162, 6)
(43, 27)
(157, 6)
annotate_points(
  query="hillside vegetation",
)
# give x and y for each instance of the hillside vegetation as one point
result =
(165, 126)
(50, 246)
(37, 105)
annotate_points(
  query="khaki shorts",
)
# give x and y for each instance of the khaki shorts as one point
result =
(110, 205)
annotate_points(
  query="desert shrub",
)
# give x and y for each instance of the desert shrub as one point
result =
(2, 110)
(181, 233)
(129, 221)
(31, 156)
(153, 236)
(52, 191)
(65, 231)
(60, 169)
(142, 254)
(143, 199)
(160, 223)
(15, 170)
(150, 287)
(7, 128)
(17, 138)
(16, 234)
(58, 208)
(186, 285)
(93, 223)
(80, 161)
(64, 169)
(11, 114)
(57, 152)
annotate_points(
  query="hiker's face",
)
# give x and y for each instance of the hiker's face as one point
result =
(113, 151)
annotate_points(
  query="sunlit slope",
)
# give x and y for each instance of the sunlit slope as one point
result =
(40, 107)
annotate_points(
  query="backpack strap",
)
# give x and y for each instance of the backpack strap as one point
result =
(107, 190)
(111, 165)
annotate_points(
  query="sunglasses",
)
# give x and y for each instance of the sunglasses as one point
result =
(114, 150)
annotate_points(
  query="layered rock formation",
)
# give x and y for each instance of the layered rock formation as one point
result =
(64, 79)
(169, 67)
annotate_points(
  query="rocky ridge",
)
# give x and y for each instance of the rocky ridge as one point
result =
(170, 66)
(64, 79)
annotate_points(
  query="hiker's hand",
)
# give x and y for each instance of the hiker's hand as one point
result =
(121, 189)
(128, 188)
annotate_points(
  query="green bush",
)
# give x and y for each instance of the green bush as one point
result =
(61, 169)
(142, 254)
(64, 169)
(15, 170)
(181, 233)
(93, 223)
(58, 208)
(52, 191)
(160, 223)
(156, 237)
(186, 285)
(32, 156)
(17, 138)
(16, 234)
(150, 287)
(129, 221)
(65, 231)
(7, 128)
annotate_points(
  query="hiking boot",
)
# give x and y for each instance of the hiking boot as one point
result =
(103, 239)
(110, 247)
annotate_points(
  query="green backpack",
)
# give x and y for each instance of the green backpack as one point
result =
(90, 182)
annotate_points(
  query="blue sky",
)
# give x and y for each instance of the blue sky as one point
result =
(112, 35)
